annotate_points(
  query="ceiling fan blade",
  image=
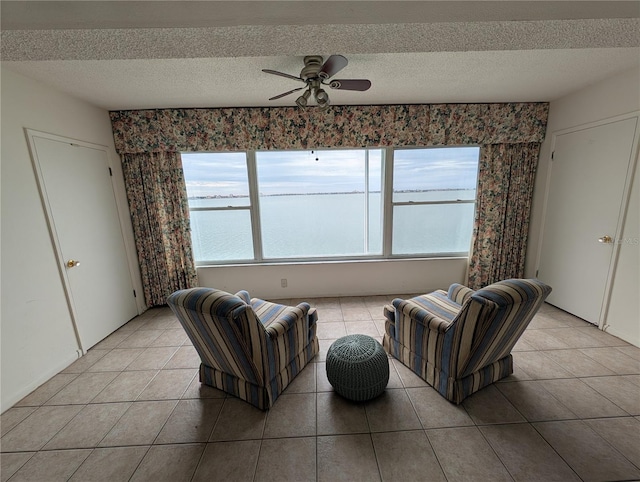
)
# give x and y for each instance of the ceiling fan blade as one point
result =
(282, 74)
(350, 84)
(332, 66)
(286, 93)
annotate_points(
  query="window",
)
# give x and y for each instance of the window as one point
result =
(330, 204)
(434, 192)
(220, 207)
(315, 204)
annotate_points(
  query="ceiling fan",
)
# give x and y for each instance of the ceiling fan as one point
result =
(315, 74)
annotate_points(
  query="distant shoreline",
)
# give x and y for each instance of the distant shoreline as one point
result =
(236, 196)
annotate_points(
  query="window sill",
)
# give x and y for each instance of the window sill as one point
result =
(328, 261)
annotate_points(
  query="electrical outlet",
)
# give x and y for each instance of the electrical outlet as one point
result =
(283, 282)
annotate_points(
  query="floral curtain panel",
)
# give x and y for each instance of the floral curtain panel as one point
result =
(509, 134)
(160, 216)
(505, 188)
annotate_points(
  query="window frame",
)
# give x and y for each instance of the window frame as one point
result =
(388, 205)
(393, 203)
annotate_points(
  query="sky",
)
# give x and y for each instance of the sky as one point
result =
(298, 172)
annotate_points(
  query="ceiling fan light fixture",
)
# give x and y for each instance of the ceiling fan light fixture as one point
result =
(302, 100)
(321, 97)
(323, 101)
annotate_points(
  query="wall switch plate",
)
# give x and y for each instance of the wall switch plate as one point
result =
(283, 282)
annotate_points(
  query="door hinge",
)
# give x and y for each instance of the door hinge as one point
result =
(110, 172)
(537, 271)
(553, 155)
(134, 294)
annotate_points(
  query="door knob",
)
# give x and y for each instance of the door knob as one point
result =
(72, 263)
(605, 239)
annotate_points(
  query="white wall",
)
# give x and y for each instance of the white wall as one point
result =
(37, 337)
(347, 278)
(614, 96)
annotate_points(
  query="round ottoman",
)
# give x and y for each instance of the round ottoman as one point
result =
(357, 367)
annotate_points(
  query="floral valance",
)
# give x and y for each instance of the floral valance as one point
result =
(231, 129)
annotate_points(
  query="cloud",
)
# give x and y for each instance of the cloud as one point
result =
(300, 172)
(210, 174)
(336, 170)
(436, 168)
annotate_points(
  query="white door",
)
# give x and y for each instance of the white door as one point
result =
(586, 192)
(75, 182)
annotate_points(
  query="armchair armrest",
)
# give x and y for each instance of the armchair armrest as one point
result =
(313, 316)
(287, 317)
(244, 296)
(459, 293)
(417, 313)
(389, 313)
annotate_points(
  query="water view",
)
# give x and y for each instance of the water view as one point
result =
(328, 225)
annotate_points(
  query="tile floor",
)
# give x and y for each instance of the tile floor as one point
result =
(133, 409)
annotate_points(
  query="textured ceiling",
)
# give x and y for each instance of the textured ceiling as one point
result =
(125, 54)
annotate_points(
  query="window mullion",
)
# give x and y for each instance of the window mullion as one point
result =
(387, 219)
(366, 201)
(255, 206)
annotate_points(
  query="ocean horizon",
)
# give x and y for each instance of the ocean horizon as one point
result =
(328, 225)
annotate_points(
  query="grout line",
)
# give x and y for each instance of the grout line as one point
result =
(553, 448)
(317, 458)
(139, 462)
(255, 469)
(496, 453)
(435, 454)
(375, 456)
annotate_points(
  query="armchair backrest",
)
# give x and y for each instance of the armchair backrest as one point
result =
(492, 320)
(223, 329)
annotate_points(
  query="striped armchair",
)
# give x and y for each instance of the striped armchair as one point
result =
(461, 340)
(251, 349)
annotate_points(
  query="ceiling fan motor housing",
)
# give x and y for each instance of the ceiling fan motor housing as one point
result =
(312, 66)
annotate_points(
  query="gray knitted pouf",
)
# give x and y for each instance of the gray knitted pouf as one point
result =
(357, 367)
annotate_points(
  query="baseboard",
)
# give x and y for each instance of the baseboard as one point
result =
(46, 376)
(622, 335)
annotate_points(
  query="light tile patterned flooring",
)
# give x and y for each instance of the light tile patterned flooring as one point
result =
(132, 409)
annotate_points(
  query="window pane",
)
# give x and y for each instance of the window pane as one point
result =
(375, 201)
(432, 229)
(435, 174)
(216, 179)
(312, 204)
(221, 235)
(312, 225)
